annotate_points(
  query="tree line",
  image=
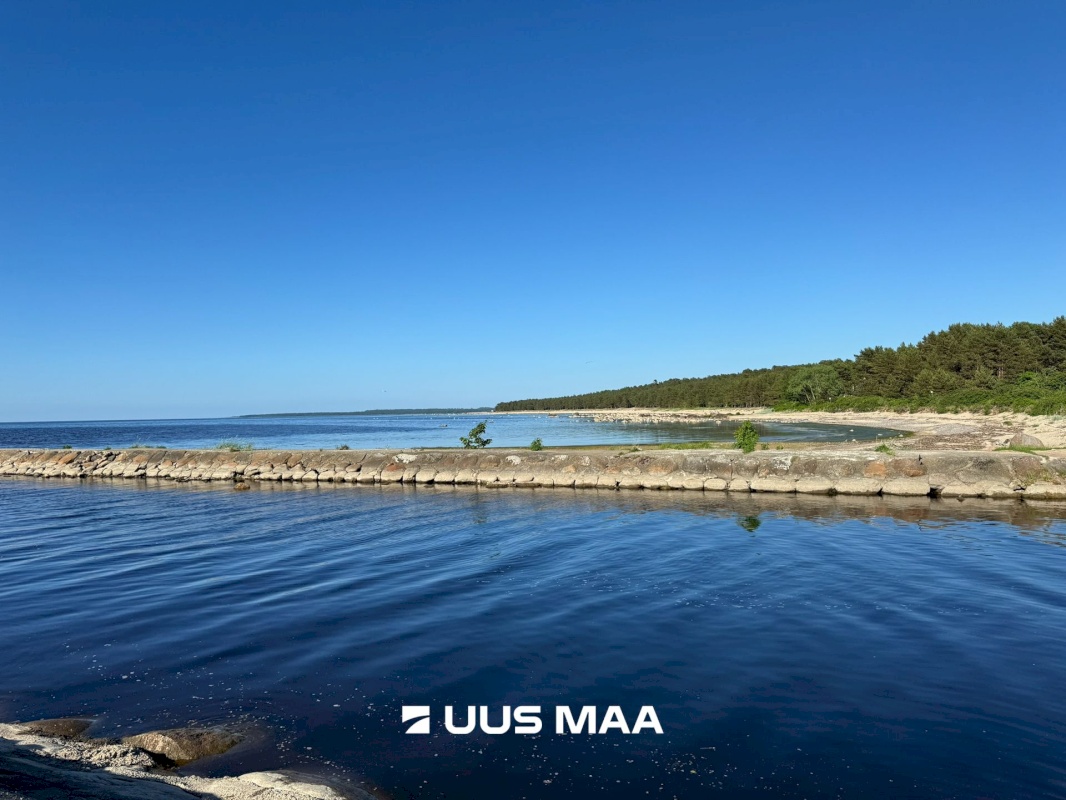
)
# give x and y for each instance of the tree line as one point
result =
(1019, 367)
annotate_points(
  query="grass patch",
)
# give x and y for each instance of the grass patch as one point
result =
(884, 448)
(234, 446)
(1017, 448)
(696, 446)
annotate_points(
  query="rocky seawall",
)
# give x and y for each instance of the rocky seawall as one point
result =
(860, 472)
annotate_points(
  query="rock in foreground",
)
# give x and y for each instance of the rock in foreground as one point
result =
(183, 745)
(36, 767)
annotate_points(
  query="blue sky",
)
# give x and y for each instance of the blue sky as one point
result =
(213, 208)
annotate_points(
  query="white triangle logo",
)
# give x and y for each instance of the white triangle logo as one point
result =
(420, 715)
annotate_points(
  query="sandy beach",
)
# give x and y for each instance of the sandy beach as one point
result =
(931, 431)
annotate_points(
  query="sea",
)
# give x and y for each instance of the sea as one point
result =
(372, 431)
(791, 647)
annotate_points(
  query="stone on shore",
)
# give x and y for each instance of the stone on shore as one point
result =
(182, 745)
(63, 728)
(304, 785)
(1025, 440)
(35, 766)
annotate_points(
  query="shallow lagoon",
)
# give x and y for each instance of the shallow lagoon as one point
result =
(793, 647)
(399, 431)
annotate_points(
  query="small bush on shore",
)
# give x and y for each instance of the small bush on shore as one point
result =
(746, 437)
(536, 444)
(234, 446)
(474, 440)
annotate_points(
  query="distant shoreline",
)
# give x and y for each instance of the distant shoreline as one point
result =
(374, 412)
(963, 430)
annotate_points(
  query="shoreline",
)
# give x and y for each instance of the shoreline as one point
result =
(964, 430)
(910, 472)
(58, 757)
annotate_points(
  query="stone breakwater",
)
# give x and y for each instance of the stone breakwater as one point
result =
(936, 473)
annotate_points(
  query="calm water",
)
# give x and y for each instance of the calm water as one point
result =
(793, 647)
(395, 431)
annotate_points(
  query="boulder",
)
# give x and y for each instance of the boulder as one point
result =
(182, 745)
(1025, 440)
(63, 728)
(310, 786)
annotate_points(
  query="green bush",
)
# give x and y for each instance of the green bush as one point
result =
(746, 437)
(536, 444)
(234, 446)
(474, 440)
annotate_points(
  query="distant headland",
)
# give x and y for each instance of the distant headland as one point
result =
(374, 412)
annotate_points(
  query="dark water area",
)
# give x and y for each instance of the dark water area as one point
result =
(792, 647)
(399, 431)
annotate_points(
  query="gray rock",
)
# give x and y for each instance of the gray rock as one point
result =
(182, 745)
(35, 767)
(64, 728)
(1025, 440)
(311, 786)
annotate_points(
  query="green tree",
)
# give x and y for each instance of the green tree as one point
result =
(746, 437)
(811, 384)
(536, 444)
(474, 440)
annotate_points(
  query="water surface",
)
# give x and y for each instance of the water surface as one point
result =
(793, 647)
(399, 431)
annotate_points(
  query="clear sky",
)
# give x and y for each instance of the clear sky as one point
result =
(214, 208)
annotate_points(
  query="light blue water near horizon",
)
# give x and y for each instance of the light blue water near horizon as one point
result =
(792, 646)
(367, 432)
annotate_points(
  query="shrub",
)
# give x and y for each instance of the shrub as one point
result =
(884, 448)
(344, 447)
(536, 444)
(746, 437)
(474, 440)
(234, 446)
